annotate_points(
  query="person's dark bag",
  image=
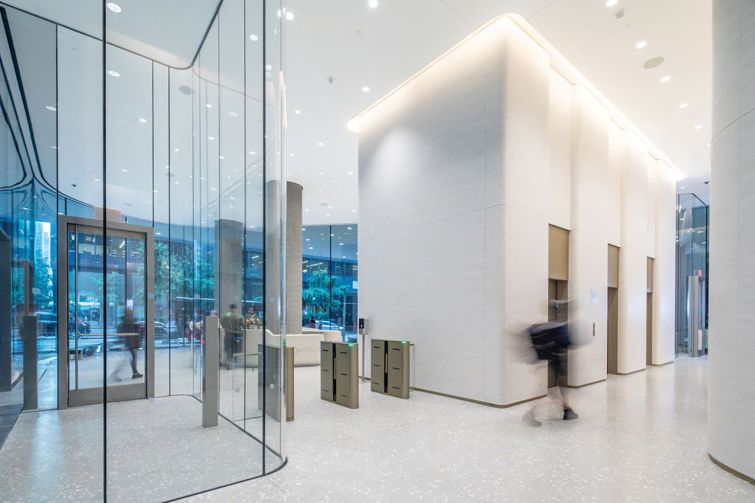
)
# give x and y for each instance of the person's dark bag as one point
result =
(549, 337)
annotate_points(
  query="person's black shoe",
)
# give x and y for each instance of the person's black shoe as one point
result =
(570, 414)
(137, 375)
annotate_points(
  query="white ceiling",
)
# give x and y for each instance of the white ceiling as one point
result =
(357, 46)
(335, 47)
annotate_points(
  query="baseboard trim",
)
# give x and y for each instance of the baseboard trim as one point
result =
(630, 373)
(479, 402)
(731, 470)
(586, 384)
(662, 364)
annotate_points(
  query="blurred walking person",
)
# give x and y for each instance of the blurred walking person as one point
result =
(132, 332)
(551, 342)
(233, 325)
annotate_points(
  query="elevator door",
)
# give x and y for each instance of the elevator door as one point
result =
(106, 324)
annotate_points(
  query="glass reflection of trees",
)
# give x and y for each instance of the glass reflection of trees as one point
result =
(329, 277)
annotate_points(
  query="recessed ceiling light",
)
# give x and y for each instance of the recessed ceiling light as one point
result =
(210, 138)
(665, 79)
(290, 16)
(365, 89)
(351, 172)
(611, 3)
(124, 170)
(113, 73)
(320, 144)
(208, 105)
(681, 187)
(698, 127)
(176, 150)
(373, 4)
(683, 105)
(291, 154)
(641, 44)
(233, 114)
(253, 37)
(97, 180)
(297, 112)
(114, 7)
(142, 120)
(51, 108)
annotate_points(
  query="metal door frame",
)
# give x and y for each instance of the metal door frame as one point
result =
(115, 393)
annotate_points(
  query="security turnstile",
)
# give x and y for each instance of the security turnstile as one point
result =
(339, 381)
(390, 367)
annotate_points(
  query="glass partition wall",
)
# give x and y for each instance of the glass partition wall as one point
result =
(693, 217)
(141, 217)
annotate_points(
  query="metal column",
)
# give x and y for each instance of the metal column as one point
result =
(210, 378)
(694, 340)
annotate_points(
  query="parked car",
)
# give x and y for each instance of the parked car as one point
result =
(328, 325)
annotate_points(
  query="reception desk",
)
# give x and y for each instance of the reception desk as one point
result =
(306, 346)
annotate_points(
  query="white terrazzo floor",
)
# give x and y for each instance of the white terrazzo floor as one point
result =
(157, 450)
(640, 438)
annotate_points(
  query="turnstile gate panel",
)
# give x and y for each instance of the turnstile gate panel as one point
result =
(390, 367)
(339, 378)
(377, 372)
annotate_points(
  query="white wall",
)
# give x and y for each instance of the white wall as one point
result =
(635, 202)
(594, 205)
(731, 393)
(663, 246)
(425, 209)
(461, 170)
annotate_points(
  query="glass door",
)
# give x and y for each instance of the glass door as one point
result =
(109, 330)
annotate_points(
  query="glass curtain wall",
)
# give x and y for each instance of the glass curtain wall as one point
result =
(140, 224)
(330, 275)
(693, 217)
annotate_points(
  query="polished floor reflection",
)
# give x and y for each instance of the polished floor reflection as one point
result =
(157, 450)
(639, 438)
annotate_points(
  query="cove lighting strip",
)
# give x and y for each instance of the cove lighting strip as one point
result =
(560, 65)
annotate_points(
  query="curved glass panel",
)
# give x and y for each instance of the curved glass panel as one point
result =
(141, 210)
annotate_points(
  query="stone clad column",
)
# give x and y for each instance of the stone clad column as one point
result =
(229, 268)
(731, 399)
(293, 257)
